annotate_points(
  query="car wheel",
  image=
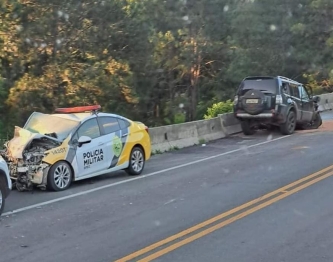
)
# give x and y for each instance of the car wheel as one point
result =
(60, 176)
(136, 162)
(2, 194)
(289, 126)
(246, 128)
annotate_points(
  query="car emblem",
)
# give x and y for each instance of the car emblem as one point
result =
(252, 94)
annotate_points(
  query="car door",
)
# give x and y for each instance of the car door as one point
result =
(296, 97)
(91, 157)
(126, 140)
(115, 143)
(307, 104)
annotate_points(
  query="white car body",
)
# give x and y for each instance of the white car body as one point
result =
(5, 183)
(4, 169)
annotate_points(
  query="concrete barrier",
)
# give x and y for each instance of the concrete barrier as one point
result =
(230, 124)
(165, 138)
(326, 102)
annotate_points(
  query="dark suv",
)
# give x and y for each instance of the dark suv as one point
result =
(264, 101)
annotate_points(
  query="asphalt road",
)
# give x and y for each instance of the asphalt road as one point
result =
(180, 190)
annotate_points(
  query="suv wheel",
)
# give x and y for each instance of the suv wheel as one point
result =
(246, 127)
(289, 126)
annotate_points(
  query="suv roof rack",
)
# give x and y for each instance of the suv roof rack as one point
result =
(258, 77)
(79, 109)
(289, 80)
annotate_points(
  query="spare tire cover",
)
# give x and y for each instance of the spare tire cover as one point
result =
(253, 108)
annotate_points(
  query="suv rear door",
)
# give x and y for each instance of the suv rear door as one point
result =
(266, 85)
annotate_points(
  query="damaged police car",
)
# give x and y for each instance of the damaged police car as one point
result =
(53, 150)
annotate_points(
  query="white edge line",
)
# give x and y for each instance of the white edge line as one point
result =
(135, 178)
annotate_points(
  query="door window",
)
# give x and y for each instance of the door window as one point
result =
(285, 88)
(304, 94)
(110, 124)
(123, 123)
(89, 128)
(294, 91)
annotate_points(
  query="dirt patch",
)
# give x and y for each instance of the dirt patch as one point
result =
(327, 126)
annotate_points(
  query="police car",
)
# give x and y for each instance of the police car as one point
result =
(53, 150)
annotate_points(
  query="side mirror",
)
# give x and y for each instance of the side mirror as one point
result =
(83, 140)
(316, 99)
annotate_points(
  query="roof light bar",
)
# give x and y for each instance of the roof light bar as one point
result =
(78, 109)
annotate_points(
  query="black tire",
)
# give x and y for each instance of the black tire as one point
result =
(317, 122)
(289, 126)
(246, 128)
(136, 162)
(60, 176)
(3, 186)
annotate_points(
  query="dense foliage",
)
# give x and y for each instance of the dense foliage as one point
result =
(219, 108)
(160, 62)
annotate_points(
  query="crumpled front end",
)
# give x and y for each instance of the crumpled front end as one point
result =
(24, 155)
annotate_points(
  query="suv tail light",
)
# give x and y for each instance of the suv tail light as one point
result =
(278, 100)
(236, 100)
(147, 129)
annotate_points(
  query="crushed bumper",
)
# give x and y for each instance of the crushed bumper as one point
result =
(27, 176)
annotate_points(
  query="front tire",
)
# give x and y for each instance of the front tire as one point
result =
(136, 162)
(246, 128)
(289, 126)
(60, 176)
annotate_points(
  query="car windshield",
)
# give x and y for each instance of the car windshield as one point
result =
(48, 124)
(264, 85)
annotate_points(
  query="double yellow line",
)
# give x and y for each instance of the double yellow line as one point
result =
(191, 234)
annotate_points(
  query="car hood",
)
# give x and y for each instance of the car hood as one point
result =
(22, 138)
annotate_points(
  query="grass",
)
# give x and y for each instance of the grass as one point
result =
(158, 152)
(202, 141)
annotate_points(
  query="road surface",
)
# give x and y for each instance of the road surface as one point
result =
(262, 198)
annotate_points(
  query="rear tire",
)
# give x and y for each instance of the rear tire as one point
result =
(136, 162)
(246, 128)
(289, 126)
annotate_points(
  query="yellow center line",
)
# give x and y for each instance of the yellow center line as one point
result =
(223, 215)
(230, 220)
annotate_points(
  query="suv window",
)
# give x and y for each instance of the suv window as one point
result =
(294, 91)
(89, 128)
(268, 85)
(285, 88)
(304, 93)
(110, 124)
